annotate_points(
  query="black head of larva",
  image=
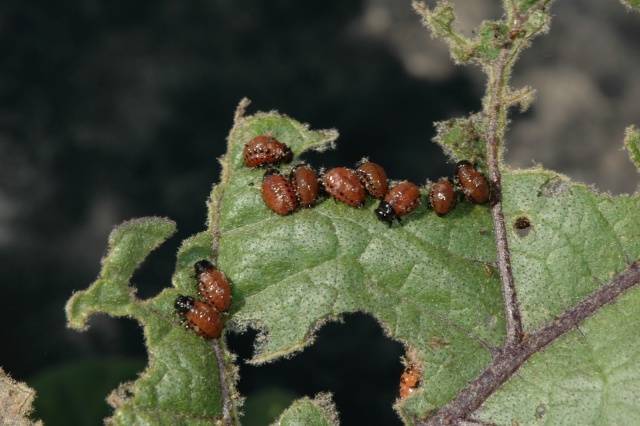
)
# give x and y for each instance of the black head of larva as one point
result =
(385, 212)
(288, 154)
(183, 304)
(202, 266)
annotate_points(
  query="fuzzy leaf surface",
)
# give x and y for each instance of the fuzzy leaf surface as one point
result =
(180, 385)
(589, 376)
(575, 241)
(431, 281)
(460, 139)
(309, 412)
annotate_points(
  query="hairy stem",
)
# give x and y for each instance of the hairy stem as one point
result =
(512, 357)
(496, 106)
(229, 413)
(496, 115)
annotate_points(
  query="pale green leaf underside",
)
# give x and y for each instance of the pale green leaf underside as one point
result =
(430, 282)
(180, 385)
(309, 412)
(460, 138)
(577, 241)
(590, 376)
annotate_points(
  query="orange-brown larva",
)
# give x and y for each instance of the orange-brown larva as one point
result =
(278, 194)
(474, 184)
(265, 150)
(213, 285)
(203, 318)
(442, 197)
(401, 200)
(304, 180)
(374, 179)
(344, 185)
(409, 381)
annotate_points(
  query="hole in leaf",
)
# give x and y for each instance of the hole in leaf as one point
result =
(522, 225)
(109, 336)
(154, 273)
(352, 359)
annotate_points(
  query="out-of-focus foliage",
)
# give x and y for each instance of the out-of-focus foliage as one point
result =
(16, 400)
(74, 393)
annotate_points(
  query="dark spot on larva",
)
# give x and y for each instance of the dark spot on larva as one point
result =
(522, 225)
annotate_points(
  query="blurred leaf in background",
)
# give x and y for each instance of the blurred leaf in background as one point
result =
(75, 393)
(264, 406)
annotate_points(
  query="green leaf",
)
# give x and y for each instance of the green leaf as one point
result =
(492, 36)
(181, 383)
(577, 240)
(440, 22)
(460, 138)
(129, 244)
(632, 143)
(524, 5)
(310, 412)
(590, 376)
(430, 282)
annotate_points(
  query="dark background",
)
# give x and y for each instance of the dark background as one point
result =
(116, 109)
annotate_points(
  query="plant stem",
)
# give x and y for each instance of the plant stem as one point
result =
(495, 112)
(511, 358)
(229, 414)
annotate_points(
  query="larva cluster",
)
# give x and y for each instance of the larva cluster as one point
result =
(302, 188)
(206, 316)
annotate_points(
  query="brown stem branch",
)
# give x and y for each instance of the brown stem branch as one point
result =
(495, 111)
(227, 403)
(512, 357)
